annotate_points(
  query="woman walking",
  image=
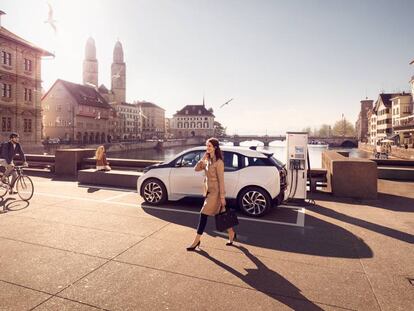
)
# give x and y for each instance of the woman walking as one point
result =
(213, 165)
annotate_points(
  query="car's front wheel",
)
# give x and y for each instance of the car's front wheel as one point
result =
(154, 192)
(254, 201)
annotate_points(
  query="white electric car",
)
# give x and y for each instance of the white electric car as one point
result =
(255, 179)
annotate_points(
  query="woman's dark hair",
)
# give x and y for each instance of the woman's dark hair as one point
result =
(217, 151)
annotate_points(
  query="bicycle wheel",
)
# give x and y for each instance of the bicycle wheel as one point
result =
(4, 188)
(24, 187)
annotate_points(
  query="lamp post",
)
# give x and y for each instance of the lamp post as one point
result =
(343, 124)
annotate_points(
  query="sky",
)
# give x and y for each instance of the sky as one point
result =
(287, 64)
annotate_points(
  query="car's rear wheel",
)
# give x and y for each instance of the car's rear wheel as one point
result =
(154, 192)
(254, 201)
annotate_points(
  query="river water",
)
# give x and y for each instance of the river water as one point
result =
(277, 148)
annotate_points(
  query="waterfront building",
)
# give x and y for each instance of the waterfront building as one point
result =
(115, 96)
(21, 85)
(401, 108)
(168, 128)
(383, 110)
(153, 120)
(128, 124)
(405, 126)
(373, 126)
(361, 125)
(76, 113)
(193, 120)
(369, 115)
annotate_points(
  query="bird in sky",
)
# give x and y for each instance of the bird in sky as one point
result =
(226, 103)
(50, 20)
(141, 114)
(118, 74)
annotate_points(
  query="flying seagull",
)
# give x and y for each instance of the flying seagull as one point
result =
(141, 114)
(118, 74)
(226, 103)
(50, 19)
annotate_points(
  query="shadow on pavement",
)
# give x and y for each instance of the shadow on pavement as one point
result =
(384, 201)
(321, 238)
(12, 205)
(268, 282)
(392, 233)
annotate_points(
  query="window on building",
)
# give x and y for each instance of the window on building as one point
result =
(27, 64)
(27, 125)
(27, 94)
(6, 90)
(6, 124)
(6, 58)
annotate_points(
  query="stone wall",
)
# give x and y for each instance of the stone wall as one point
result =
(397, 152)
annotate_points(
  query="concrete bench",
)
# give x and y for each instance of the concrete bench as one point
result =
(113, 178)
(350, 177)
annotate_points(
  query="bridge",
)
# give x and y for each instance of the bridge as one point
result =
(333, 141)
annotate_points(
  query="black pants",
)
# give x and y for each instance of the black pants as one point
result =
(202, 223)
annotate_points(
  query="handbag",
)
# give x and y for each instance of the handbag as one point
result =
(226, 219)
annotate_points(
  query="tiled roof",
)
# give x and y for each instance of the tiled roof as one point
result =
(148, 104)
(83, 94)
(194, 110)
(103, 90)
(11, 36)
(386, 99)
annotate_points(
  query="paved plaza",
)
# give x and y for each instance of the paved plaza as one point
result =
(80, 248)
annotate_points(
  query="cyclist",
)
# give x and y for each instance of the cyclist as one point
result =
(9, 151)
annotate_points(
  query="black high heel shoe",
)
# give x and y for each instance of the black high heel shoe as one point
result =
(234, 239)
(192, 248)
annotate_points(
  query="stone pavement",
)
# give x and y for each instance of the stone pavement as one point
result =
(74, 248)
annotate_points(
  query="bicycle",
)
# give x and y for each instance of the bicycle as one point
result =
(24, 185)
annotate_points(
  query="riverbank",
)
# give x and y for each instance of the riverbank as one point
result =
(401, 153)
(121, 147)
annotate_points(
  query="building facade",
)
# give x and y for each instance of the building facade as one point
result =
(129, 123)
(153, 120)
(76, 113)
(384, 115)
(405, 126)
(20, 87)
(191, 121)
(401, 108)
(361, 125)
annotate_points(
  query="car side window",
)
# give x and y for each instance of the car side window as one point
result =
(231, 161)
(249, 161)
(190, 159)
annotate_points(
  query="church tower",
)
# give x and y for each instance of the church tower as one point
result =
(118, 68)
(90, 64)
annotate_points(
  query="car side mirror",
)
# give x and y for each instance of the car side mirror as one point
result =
(178, 164)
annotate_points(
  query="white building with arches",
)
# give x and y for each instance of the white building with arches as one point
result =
(192, 121)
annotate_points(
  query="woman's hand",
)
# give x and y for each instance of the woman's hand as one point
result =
(205, 157)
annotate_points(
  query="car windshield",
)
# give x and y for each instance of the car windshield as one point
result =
(277, 162)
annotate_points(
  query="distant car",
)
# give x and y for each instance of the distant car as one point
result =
(54, 140)
(255, 179)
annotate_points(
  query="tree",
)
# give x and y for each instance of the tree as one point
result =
(325, 131)
(307, 130)
(343, 128)
(219, 130)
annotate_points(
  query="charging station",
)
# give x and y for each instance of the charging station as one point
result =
(297, 166)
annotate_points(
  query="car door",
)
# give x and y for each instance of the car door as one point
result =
(184, 179)
(231, 173)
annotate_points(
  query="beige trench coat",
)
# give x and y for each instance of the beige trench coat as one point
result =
(213, 185)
